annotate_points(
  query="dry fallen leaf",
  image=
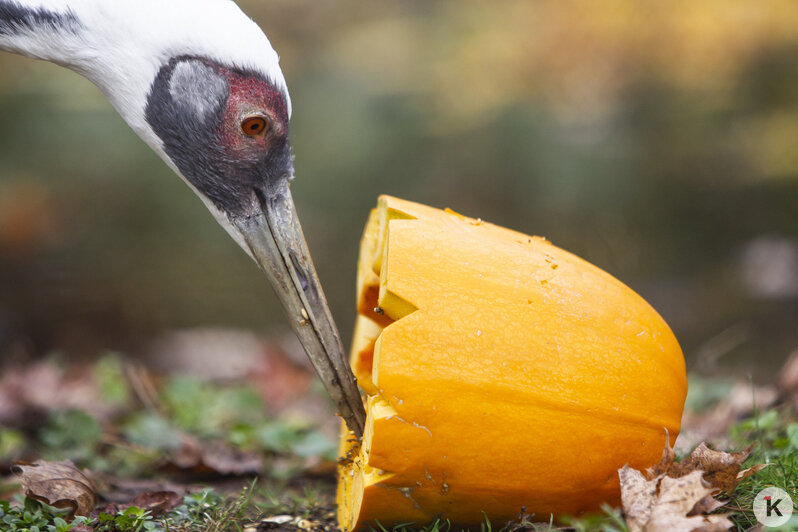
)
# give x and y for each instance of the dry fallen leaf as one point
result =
(157, 502)
(666, 504)
(745, 473)
(665, 464)
(707, 505)
(26, 392)
(677, 496)
(284, 522)
(214, 459)
(638, 497)
(122, 490)
(58, 484)
(721, 469)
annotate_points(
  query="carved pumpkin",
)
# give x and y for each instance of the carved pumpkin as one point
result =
(501, 373)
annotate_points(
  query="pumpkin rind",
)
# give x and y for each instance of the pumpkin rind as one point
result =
(501, 373)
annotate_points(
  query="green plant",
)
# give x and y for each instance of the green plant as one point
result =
(71, 434)
(209, 411)
(197, 507)
(109, 374)
(33, 516)
(12, 443)
(132, 519)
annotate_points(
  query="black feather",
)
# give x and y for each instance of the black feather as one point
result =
(16, 18)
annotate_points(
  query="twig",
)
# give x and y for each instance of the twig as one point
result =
(144, 387)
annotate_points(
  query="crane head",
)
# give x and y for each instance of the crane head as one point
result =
(225, 129)
(200, 83)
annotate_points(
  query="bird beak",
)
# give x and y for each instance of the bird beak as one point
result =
(275, 240)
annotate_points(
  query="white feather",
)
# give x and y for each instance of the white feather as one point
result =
(122, 44)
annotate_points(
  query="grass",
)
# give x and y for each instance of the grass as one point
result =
(610, 520)
(201, 511)
(775, 435)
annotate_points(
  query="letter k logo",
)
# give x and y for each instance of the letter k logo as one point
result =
(773, 507)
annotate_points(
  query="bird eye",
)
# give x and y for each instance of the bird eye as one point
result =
(254, 126)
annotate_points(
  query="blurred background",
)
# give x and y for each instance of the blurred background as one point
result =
(656, 140)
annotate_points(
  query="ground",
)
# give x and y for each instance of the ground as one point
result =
(178, 451)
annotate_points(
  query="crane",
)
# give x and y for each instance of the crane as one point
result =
(200, 83)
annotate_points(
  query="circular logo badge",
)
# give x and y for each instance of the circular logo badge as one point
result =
(772, 507)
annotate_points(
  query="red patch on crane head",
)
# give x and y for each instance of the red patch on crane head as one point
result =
(255, 117)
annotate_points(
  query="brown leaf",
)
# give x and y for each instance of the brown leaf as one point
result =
(716, 523)
(706, 505)
(225, 460)
(58, 484)
(676, 497)
(720, 468)
(662, 504)
(638, 496)
(26, 392)
(157, 502)
(745, 473)
(214, 459)
(122, 490)
(665, 463)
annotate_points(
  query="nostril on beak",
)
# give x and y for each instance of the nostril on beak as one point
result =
(300, 272)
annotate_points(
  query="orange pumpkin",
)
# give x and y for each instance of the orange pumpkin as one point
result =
(501, 373)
